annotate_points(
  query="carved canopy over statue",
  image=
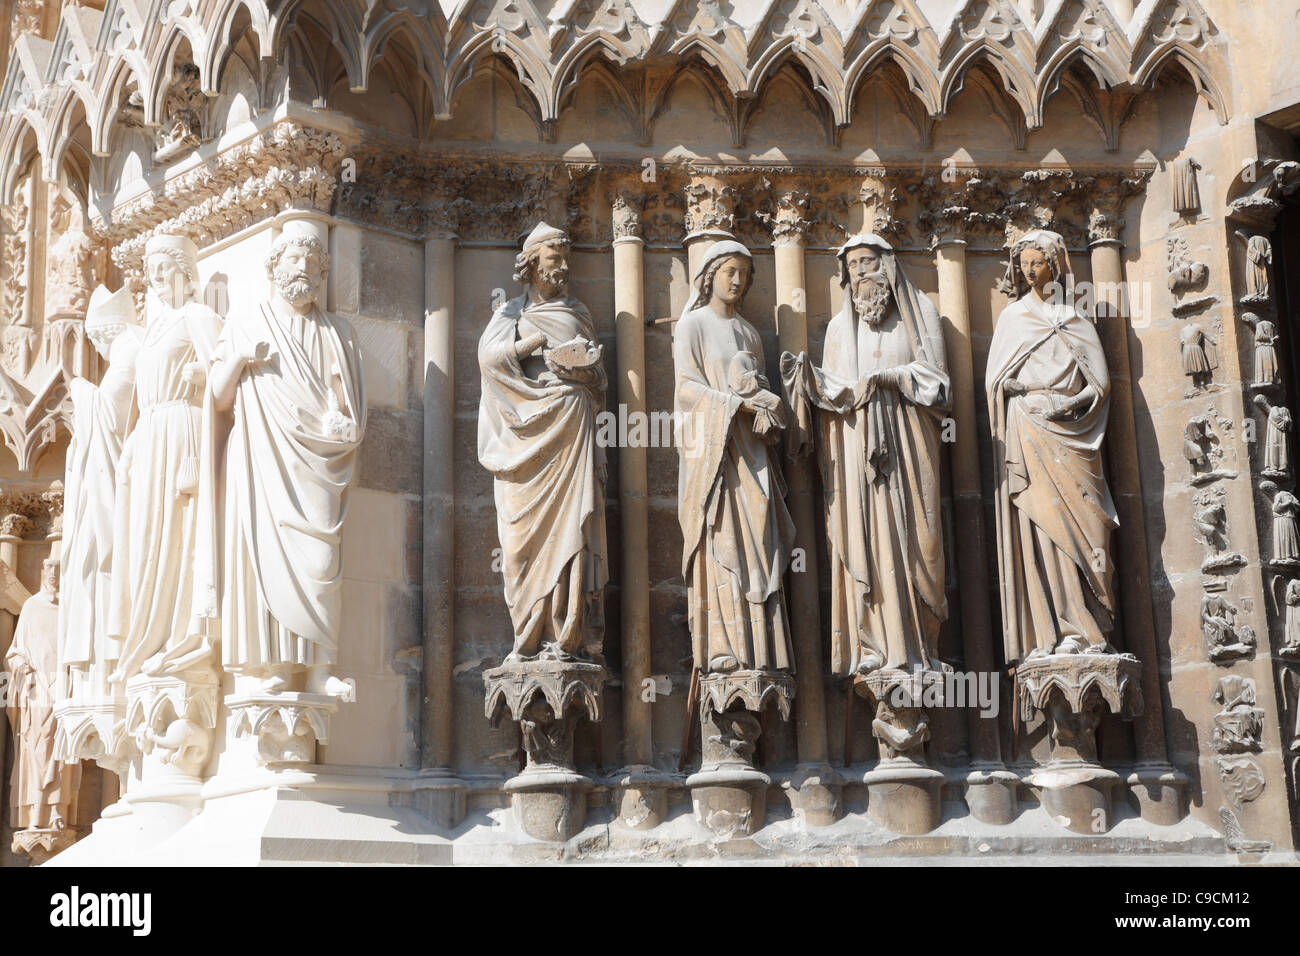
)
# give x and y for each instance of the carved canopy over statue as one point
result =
(1049, 395)
(880, 396)
(542, 388)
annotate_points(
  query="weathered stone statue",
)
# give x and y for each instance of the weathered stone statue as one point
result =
(1291, 644)
(157, 521)
(1277, 456)
(730, 492)
(1265, 371)
(737, 535)
(42, 790)
(1259, 256)
(881, 392)
(287, 379)
(1199, 353)
(1049, 395)
(543, 386)
(101, 417)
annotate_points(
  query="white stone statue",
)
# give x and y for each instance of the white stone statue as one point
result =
(42, 790)
(287, 382)
(1291, 643)
(101, 417)
(737, 532)
(881, 392)
(1286, 540)
(1049, 394)
(542, 388)
(1259, 256)
(157, 522)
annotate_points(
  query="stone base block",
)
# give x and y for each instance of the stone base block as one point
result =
(815, 793)
(992, 796)
(442, 798)
(1160, 794)
(549, 805)
(1077, 797)
(641, 793)
(904, 796)
(730, 801)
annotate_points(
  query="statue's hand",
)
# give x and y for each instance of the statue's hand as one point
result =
(1013, 387)
(194, 374)
(761, 401)
(256, 353)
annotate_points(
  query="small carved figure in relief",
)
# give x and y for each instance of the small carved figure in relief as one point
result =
(1265, 350)
(1277, 455)
(1259, 255)
(70, 263)
(879, 399)
(1049, 394)
(542, 387)
(1211, 521)
(1184, 274)
(1202, 451)
(1186, 194)
(287, 391)
(1200, 354)
(42, 790)
(1239, 723)
(737, 532)
(1286, 541)
(1291, 646)
(182, 113)
(1224, 637)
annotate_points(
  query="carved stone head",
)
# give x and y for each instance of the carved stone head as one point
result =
(171, 268)
(544, 262)
(298, 265)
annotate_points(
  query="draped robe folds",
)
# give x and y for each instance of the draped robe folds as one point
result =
(1053, 506)
(880, 474)
(537, 436)
(101, 418)
(156, 522)
(271, 562)
(41, 787)
(737, 533)
(1265, 354)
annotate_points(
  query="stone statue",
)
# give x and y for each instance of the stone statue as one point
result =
(1259, 255)
(1286, 540)
(1200, 354)
(1186, 195)
(1291, 645)
(42, 790)
(1049, 395)
(71, 258)
(1265, 350)
(542, 388)
(157, 517)
(881, 393)
(1225, 638)
(286, 379)
(730, 493)
(1277, 457)
(101, 417)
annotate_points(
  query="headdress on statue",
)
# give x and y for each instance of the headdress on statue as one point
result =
(1050, 244)
(110, 310)
(722, 249)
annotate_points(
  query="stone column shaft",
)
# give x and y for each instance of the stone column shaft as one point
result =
(439, 498)
(973, 560)
(805, 607)
(634, 580)
(1126, 488)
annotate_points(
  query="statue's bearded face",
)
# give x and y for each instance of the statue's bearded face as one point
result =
(551, 270)
(868, 284)
(167, 279)
(298, 275)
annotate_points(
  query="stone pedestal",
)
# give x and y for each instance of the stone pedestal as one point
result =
(171, 721)
(729, 794)
(1160, 793)
(903, 791)
(287, 726)
(1074, 690)
(38, 844)
(814, 792)
(992, 794)
(642, 795)
(547, 698)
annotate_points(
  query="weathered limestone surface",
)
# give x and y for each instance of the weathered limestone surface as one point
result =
(1115, 674)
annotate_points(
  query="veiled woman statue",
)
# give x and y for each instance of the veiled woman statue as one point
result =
(1049, 394)
(157, 511)
(730, 493)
